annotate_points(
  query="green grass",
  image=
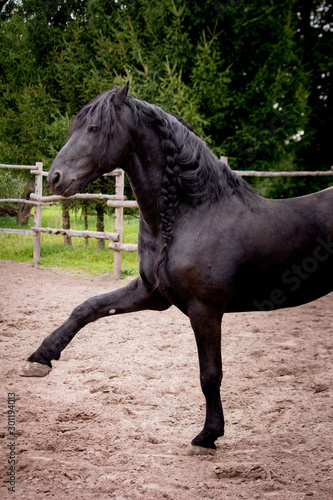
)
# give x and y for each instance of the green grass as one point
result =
(78, 256)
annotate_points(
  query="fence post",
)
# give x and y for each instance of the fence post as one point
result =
(118, 224)
(38, 212)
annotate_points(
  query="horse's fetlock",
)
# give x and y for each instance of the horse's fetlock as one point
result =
(37, 357)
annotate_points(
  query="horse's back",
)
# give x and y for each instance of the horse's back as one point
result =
(271, 254)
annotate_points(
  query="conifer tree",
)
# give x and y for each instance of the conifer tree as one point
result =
(253, 78)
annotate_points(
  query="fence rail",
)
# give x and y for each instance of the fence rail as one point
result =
(38, 200)
(20, 200)
(79, 196)
(99, 235)
(21, 167)
(253, 173)
(116, 201)
(28, 232)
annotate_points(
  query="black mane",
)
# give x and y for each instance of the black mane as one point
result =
(200, 176)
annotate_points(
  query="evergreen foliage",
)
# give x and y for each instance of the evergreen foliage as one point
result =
(253, 78)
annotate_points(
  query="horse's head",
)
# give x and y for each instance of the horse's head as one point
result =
(99, 141)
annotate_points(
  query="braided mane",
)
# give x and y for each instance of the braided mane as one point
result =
(190, 166)
(192, 174)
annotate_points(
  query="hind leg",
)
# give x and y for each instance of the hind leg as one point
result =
(131, 298)
(207, 329)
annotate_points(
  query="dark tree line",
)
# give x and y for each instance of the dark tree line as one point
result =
(253, 78)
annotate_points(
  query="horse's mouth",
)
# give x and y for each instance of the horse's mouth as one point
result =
(71, 189)
(68, 191)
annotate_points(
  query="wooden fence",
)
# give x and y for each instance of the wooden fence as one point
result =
(116, 201)
(38, 200)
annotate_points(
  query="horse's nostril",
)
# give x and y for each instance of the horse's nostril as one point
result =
(56, 178)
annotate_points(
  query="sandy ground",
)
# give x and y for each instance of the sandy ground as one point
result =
(115, 417)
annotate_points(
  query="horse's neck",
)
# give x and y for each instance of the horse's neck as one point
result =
(144, 168)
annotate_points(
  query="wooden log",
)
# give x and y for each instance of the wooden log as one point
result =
(45, 174)
(24, 209)
(72, 232)
(66, 222)
(253, 173)
(8, 211)
(35, 172)
(17, 231)
(99, 209)
(20, 200)
(23, 167)
(117, 171)
(124, 203)
(82, 196)
(118, 225)
(124, 247)
(38, 212)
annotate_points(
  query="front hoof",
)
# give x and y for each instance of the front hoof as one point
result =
(34, 369)
(201, 451)
(206, 439)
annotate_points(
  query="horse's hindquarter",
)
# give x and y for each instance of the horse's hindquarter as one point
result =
(279, 253)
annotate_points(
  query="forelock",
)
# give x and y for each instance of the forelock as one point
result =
(100, 112)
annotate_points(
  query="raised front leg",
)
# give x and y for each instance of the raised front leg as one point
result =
(131, 298)
(207, 328)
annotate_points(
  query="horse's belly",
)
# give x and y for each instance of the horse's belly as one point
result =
(292, 286)
(257, 285)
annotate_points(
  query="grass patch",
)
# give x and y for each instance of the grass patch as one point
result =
(78, 256)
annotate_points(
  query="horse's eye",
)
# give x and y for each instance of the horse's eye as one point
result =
(93, 129)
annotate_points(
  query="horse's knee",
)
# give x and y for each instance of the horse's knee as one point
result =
(85, 312)
(210, 381)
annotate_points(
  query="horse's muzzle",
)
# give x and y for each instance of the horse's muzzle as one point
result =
(60, 185)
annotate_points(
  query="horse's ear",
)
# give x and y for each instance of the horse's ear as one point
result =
(121, 95)
(115, 88)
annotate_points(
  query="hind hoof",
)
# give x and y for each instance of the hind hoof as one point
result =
(34, 369)
(200, 450)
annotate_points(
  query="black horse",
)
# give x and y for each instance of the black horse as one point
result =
(207, 242)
